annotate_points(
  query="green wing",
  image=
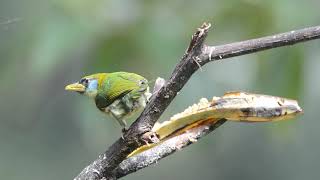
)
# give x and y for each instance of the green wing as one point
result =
(115, 86)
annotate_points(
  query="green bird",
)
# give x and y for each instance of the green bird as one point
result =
(118, 94)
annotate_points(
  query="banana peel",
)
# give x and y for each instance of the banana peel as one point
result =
(232, 106)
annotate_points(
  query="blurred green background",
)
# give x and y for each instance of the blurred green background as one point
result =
(48, 133)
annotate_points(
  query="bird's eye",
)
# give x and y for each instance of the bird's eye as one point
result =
(84, 81)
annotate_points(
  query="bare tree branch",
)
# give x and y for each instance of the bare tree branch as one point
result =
(254, 45)
(197, 55)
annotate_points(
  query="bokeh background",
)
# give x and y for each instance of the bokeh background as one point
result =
(48, 133)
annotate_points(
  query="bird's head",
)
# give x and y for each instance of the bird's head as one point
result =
(87, 85)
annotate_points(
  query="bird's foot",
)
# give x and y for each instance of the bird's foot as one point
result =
(123, 131)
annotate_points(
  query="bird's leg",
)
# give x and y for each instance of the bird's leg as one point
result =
(147, 96)
(122, 123)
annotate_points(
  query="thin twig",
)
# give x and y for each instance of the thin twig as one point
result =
(106, 163)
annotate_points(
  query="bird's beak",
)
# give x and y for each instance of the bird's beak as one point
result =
(75, 87)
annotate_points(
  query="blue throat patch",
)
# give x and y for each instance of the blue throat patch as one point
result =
(92, 85)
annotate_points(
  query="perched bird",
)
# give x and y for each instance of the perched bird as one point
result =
(118, 94)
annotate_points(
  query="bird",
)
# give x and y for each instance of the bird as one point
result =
(117, 94)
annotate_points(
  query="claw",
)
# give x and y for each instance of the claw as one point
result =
(123, 131)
